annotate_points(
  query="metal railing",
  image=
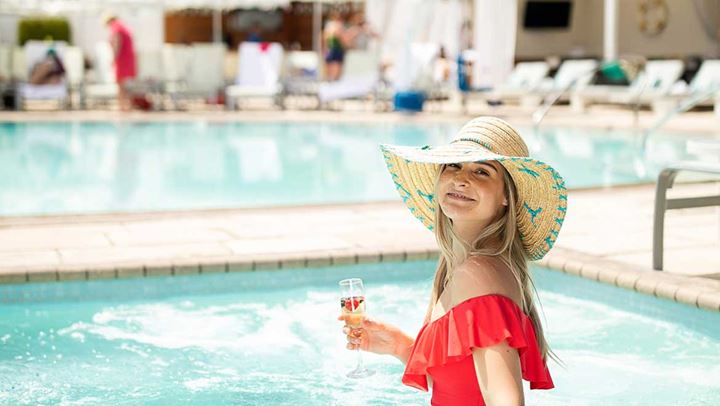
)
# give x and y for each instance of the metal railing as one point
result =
(692, 101)
(550, 101)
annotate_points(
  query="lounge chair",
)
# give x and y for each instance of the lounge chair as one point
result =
(662, 203)
(19, 69)
(259, 67)
(300, 75)
(34, 52)
(523, 80)
(74, 72)
(101, 85)
(5, 63)
(705, 87)
(360, 78)
(149, 80)
(193, 72)
(574, 75)
(654, 82)
(5, 69)
(424, 75)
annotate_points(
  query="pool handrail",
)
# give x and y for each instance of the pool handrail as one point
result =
(690, 102)
(666, 178)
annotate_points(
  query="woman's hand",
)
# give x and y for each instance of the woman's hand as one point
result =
(377, 337)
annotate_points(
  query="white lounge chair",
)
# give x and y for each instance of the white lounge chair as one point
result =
(19, 68)
(654, 82)
(149, 80)
(259, 68)
(5, 63)
(360, 78)
(74, 71)
(573, 75)
(193, 72)
(704, 87)
(34, 52)
(5, 69)
(101, 85)
(300, 76)
(424, 75)
(523, 80)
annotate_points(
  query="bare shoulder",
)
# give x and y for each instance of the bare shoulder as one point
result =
(483, 275)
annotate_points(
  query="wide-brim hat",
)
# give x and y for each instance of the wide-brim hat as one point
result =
(542, 196)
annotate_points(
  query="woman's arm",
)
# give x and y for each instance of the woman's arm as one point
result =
(499, 374)
(115, 43)
(403, 347)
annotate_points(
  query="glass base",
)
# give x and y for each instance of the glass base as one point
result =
(360, 373)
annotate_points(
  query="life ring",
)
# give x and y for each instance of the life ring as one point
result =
(652, 16)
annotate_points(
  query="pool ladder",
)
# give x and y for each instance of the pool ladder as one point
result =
(539, 115)
(690, 102)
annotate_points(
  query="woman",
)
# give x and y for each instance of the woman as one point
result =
(49, 71)
(492, 209)
(334, 42)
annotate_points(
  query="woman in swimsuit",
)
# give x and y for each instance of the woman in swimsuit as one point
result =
(492, 209)
(334, 43)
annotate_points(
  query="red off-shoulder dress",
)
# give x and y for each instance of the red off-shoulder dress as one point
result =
(443, 349)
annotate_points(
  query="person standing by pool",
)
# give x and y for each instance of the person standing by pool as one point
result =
(335, 44)
(492, 209)
(124, 52)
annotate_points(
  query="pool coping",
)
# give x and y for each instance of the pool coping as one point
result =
(699, 292)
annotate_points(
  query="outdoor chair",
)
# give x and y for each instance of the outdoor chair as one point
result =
(32, 53)
(259, 67)
(704, 88)
(359, 80)
(101, 86)
(524, 79)
(573, 75)
(300, 76)
(192, 72)
(653, 83)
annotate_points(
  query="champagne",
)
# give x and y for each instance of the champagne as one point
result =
(354, 308)
(352, 303)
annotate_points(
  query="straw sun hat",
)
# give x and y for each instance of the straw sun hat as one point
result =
(542, 197)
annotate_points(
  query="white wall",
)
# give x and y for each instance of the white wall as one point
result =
(683, 35)
(583, 37)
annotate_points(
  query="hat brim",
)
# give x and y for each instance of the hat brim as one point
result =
(542, 196)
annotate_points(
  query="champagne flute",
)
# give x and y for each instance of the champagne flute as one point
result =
(352, 303)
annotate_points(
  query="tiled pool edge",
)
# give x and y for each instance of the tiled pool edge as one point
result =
(698, 292)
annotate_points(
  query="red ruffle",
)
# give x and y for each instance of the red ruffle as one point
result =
(480, 321)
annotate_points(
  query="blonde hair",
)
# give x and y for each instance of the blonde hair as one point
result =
(454, 251)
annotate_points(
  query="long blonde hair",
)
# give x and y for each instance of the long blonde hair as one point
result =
(453, 251)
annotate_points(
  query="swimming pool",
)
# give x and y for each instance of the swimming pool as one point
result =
(271, 337)
(85, 167)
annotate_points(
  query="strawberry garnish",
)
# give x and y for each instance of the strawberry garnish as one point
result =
(351, 303)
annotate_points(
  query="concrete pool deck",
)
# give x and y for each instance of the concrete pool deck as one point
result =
(607, 237)
(607, 234)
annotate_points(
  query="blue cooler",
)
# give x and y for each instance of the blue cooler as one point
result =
(411, 101)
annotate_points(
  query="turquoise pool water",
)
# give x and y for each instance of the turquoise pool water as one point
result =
(267, 338)
(84, 167)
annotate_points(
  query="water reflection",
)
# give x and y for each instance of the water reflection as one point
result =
(53, 168)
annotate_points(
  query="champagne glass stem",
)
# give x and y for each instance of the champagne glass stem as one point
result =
(360, 360)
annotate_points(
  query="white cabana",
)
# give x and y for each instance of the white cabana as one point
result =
(63, 6)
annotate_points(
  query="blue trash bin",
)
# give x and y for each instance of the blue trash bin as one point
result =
(410, 101)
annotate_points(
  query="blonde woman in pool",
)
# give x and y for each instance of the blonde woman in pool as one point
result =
(492, 209)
